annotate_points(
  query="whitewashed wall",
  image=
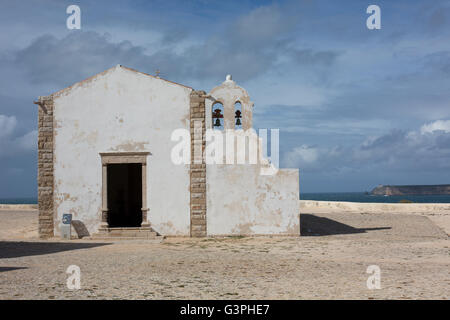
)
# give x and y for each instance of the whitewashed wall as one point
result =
(241, 201)
(120, 110)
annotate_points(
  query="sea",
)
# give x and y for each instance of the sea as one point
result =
(329, 196)
(18, 200)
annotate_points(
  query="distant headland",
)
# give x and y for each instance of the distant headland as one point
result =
(412, 190)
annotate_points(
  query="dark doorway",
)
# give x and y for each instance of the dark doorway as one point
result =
(124, 195)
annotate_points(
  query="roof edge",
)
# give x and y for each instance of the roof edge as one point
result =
(62, 91)
(137, 71)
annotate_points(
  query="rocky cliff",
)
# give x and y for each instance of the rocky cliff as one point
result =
(410, 190)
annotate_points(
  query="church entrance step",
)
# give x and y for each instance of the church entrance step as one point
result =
(138, 233)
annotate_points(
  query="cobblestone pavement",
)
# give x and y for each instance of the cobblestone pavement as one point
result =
(329, 262)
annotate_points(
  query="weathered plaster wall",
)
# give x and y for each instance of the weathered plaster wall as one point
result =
(241, 201)
(117, 111)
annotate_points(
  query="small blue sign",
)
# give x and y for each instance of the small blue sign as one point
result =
(67, 218)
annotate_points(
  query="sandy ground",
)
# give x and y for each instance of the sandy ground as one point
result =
(328, 262)
(439, 213)
(18, 224)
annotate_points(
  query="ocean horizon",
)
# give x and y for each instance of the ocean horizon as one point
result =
(317, 196)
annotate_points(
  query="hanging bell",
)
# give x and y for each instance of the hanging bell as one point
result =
(238, 117)
(217, 123)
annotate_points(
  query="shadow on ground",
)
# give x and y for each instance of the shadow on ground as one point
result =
(311, 225)
(14, 249)
(4, 269)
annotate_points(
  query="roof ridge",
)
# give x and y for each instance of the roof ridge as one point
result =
(60, 92)
(147, 74)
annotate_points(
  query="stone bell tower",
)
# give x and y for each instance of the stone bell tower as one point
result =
(229, 94)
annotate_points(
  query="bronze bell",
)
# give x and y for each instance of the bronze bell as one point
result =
(238, 117)
(217, 123)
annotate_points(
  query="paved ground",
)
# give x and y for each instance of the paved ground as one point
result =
(329, 262)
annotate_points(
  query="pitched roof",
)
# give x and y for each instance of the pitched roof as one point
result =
(155, 77)
(62, 91)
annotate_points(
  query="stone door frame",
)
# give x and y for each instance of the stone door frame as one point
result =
(123, 158)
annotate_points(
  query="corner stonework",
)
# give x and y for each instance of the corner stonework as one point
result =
(198, 165)
(45, 167)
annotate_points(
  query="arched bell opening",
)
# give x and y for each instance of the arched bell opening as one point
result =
(217, 116)
(237, 116)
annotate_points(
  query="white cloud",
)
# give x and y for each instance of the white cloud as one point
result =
(442, 125)
(11, 144)
(418, 150)
(28, 141)
(303, 155)
(7, 125)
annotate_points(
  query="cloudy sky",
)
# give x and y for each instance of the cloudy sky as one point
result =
(355, 107)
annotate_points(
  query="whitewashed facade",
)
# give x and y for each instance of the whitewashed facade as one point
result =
(122, 121)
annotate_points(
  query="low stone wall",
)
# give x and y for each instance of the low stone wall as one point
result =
(18, 207)
(340, 206)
